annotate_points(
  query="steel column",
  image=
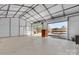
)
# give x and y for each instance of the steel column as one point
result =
(19, 26)
(68, 29)
(10, 27)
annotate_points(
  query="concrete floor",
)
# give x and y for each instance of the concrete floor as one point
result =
(26, 45)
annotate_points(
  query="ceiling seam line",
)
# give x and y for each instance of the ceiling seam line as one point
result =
(7, 10)
(17, 11)
(24, 12)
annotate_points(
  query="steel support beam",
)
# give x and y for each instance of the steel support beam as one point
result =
(62, 16)
(66, 9)
(18, 10)
(8, 17)
(33, 4)
(68, 14)
(31, 16)
(2, 7)
(63, 10)
(30, 9)
(25, 12)
(27, 18)
(48, 10)
(11, 10)
(39, 14)
(7, 10)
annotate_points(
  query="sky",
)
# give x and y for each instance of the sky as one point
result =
(57, 25)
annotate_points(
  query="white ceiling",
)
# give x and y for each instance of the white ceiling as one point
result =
(36, 12)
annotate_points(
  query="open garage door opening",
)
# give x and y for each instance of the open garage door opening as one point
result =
(58, 29)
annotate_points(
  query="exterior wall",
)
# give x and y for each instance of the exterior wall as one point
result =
(4, 27)
(22, 26)
(57, 20)
(25, 27)
(12, 27)
(29, 29)
(9, 27)
(73, 26)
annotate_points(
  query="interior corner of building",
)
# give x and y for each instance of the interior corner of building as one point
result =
(39, 29)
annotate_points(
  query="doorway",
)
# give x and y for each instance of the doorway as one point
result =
(58, 29)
